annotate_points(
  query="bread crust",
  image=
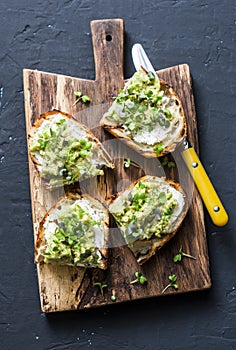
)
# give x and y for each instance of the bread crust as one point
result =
(47, 116)
(41, 243)
(144, 150)
(153, 244)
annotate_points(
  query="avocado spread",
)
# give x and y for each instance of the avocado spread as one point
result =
(65, 153)
(71, 238)
(144, 111)
(144, 212)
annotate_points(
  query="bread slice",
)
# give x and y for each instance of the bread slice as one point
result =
(64, 151)
(74, 232)
(149, 213)
(147, 115)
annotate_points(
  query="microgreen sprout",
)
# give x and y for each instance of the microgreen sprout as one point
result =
(166, 162)
(178, 257)
(113, 297)
(78, 94)
(101, 286)
(139, 278)
(172, 283)
(151, 76)
(141, 185)
(168, 114)
(158, 148)
(127, 162)
(171, 165)
(81, 98)
(85, 99)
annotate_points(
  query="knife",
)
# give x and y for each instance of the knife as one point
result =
(209, 196)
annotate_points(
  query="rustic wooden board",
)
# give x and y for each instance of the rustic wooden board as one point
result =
(67, 288)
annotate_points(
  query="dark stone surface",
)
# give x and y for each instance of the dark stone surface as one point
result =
(55, 36)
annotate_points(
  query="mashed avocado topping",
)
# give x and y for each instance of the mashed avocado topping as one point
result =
(71, 238)
(145, 211)
(145, 111)
(65, 154)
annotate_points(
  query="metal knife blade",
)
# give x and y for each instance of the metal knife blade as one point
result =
(140, 59)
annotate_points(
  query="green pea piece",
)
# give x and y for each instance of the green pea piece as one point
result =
(83, 153)
(158, 148)
(88, 146)
(82, 142)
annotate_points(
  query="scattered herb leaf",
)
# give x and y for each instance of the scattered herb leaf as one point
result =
(81, 98)
(166, 162)
(171, 165)
(172, 283)
(101, 286)
(85, 99)
(127, 162)
(139, 278)
(178, 257)
(141, 185)
(94, 222)
(78, 93)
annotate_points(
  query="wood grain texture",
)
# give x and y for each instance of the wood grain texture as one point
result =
(67, 288)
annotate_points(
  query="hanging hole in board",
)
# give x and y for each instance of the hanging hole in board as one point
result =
(108, 37)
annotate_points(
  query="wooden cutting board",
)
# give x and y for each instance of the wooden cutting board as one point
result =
(70, 288)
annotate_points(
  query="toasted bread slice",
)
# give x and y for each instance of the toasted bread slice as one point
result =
(74, 232)
(149, 213)
(147, 115)
(64, 151)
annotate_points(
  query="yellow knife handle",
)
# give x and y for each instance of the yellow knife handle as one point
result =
(212, 202)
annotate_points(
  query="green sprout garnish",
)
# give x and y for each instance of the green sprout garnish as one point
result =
(151, 76)
(141, 185)
(139, 278)
(113, 297)
(85, 99)
(94, 222)
(172, 283)
(168, 114)
(101, 286)
(127, 162)
(81, 98)
(171, 165)
(178, 257)
(166, 162)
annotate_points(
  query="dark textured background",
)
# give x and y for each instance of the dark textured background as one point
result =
(54, 36)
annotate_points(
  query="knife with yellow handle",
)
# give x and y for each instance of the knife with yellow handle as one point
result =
(209, 196)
